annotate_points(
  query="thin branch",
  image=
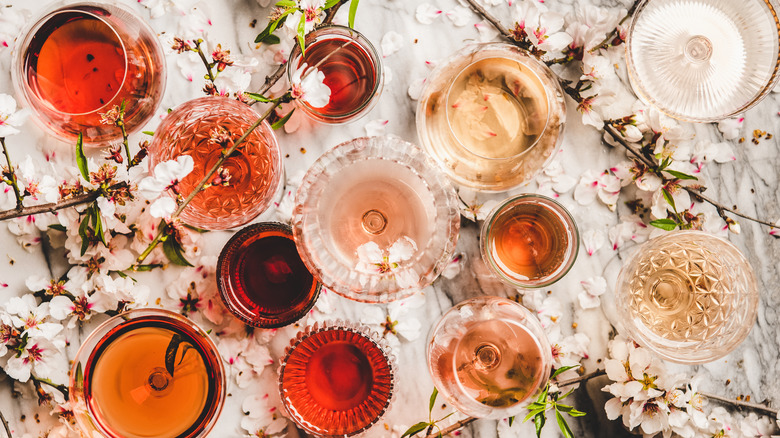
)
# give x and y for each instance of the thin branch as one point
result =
(582, 378)
(696, 194)
(448, 430)
(742, 404)
(5, 425)
(202, 55)
(54, 206)
(607, 42)
(479, 10)
(12, 175)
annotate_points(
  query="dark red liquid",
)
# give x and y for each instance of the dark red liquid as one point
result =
(337, 381)
(263, 279)
(350, 73)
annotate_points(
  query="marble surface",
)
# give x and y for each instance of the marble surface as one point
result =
(751, 182)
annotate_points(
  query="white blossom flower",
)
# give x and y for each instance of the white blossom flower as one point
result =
(394, 324)
(262, 417)
(167, 176)
(605, 186)
(731, 127)
(312, 11)
(472, 205)
(542, 26)
(593, 240)
(391, 42)
(31, 317)
(308, 85)
(10, 118)
(42, 357)
(373, 260)
(593, 288)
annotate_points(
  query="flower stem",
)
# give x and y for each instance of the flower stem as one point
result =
(448, 430)
(741, 404)
(54, 206)
(582, 378)
(12, 176)
(225, 154)
(202, 55)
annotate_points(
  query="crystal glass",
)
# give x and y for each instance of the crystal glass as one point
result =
(147, 373)
(262, 279)
(688, 296)
(255, 168)
(78, 60)
(703, 60)
(529, 241)
(375, 220)
(352, 69)
(491, 116)
(337, 379)
(489, 357)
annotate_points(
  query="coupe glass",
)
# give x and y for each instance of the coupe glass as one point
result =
(375, 220)
(337, 379)
(352, 69)
(489, 357)
(703, 60)
(78, 60)
(147, 373)
(688, 296)
(529, 241)
(255, 168)
(491, 116)
(262, 279)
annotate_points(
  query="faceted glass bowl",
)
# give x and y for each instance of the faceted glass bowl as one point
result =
(255, 167)
(370, 193)
(688, 296)
(492, 170)
(505, 318)
(337, 379)
(703, 61)
(140, 89)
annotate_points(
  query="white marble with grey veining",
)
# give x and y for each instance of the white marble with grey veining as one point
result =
(751, 182)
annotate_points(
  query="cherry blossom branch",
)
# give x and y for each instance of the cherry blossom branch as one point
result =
(695, 193)
(202, 56)
(479, 10)
(607, 42)
(5, 425)
(742, 404)
(12, 176)
(54, 206)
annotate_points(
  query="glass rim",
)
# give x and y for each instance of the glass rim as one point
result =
(28, 33)
(638, 88)
(359, 329)
(524, 60)
(87, 349)
(570, 225)
(355, 37)
(263, 320)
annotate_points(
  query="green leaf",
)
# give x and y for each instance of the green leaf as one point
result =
(58, 227)
(576, 413)
(432, 400)
(330, 3)
(302, 35)
(542, 399)
(268, 39)
(533, 413)
(680, 175)
(258, 97)
(83, 226)
(81, 160)
(417, 428)
(148, 132)
(187, 347)
(539, 421)
(664, 224)
(562, 370)
(352, 11)
(669, 199)
(170, 353)
(145, 268)
(563, 426)
(286, 4)
(79, 380)
(511, 420)
(279, 123)
(98, 223)
(173, 251)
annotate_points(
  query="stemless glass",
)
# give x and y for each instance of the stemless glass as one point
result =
(82, 59)
(529, 241)
(703, 61)
(688, 296)
(374, 220)
(337, 379)
(262, 279)
(147, 373)
(489, 356)
(352, 69)
(255, 168)
(492, 116)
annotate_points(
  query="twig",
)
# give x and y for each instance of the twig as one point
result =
(582, 378)
(479, 10)
(448, 430)
(5, 425)
(54, 206)
(12, 176)
(696, 194)
(742, 404)
(202, 55)
(607, 42)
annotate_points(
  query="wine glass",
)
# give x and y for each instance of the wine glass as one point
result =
(337, 379)
(491, 116)
(262, 279)
(352, 70)
(703, 61)
(79, 60)
(374, 220)
(529, 241)
(147, 373)
(489, 357)
(688, 296)
(253, 171)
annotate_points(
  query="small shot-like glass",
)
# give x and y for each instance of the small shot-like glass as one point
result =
(352, 69)
(79, 60)
(147, 373)
(262, 279)
(249, 179)
(337, 379)
(489, 357)
(529, 241)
